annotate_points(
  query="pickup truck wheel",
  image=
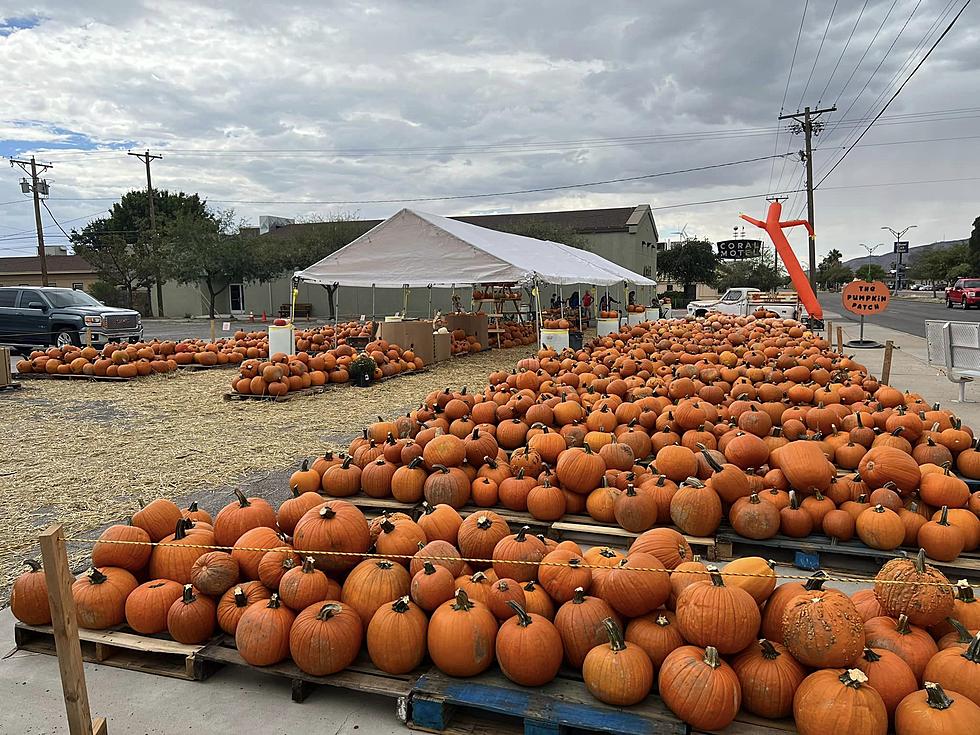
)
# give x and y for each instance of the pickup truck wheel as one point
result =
(949, 304)
(66, 337)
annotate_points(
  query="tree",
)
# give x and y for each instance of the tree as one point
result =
(974, 247)
(831, 272)
(121, 247)
(942, 265)
(690, 262)
(873, 272)
(213, 250)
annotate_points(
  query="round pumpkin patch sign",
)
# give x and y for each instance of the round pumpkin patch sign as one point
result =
(865, 298)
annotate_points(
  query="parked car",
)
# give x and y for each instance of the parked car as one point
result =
(965, 292)
(34, 315)
(744, 301)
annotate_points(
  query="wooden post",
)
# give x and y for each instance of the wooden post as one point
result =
(830, 334)
(840, 339)
(65, 624)
(886, 363)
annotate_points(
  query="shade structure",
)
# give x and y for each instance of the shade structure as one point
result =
(419, 249)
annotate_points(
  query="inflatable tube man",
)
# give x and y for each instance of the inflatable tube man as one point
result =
(775, 228)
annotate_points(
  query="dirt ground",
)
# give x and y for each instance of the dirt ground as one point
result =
(81, 453)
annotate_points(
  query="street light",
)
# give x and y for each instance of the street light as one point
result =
(898, 237)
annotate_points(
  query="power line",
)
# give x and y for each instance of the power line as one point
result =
(861, 60)
(782, 105)
(842, 52)
(816, 58)
(897, 91)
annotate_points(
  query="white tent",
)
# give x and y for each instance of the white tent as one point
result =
(417, 249)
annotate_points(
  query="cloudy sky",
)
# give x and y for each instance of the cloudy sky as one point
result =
(305, 109)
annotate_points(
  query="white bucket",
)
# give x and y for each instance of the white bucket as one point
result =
(281, 339)
(556, 339)
(606, 326)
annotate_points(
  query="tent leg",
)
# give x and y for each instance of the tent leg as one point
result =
(561, 303)
(374, 311)
(430, 300)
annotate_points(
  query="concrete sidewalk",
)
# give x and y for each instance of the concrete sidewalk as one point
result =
(910, 367)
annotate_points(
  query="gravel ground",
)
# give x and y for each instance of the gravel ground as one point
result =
(81, 453)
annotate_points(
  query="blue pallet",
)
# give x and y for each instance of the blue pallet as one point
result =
(547, 710)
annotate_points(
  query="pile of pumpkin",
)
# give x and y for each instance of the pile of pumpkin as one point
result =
(115, 360)
(556, 323)
(322, 339)
(283, 373)
(517, 334)
(463, 343)
(609, 315)
(906, 651)
(635, 309)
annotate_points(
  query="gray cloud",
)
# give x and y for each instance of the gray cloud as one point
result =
(230, 76)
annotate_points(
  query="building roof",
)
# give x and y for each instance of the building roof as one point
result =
(31, 265)
(582, 221)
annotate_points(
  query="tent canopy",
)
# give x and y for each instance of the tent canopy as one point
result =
(418, 249)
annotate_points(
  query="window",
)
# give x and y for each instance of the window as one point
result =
(732, 295)
(78, 286)
(971, 284)
(27, 297)
(8, 296)
(52, 284)
(63, 297)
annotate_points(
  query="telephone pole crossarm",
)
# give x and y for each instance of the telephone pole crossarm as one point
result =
(807, 120)
(37, 188)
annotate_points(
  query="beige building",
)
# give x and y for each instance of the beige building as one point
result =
(625, 235)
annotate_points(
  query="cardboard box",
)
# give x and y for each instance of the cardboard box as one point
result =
(416, 335)
(442, 346)
(475, 324)
(5, 375)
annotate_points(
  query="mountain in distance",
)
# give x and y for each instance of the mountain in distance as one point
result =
(885, 259)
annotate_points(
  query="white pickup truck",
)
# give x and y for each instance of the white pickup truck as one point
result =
(745, 301)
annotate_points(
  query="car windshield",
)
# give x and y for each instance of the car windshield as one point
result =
(732, 296)
(62, 297)
(971, 284)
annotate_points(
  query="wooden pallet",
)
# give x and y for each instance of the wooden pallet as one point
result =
(361, 676)
(581, 529)
(123, 650)
(814, 551)
(437, 700)
(275, 399)
(10, 387)
(192, 366)
(57, 376)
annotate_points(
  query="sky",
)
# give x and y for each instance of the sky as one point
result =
(313, 109)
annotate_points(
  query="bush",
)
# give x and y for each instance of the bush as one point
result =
(678, 299)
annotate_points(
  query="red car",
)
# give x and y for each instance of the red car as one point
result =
(965, 292)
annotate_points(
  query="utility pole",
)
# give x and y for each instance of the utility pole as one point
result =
(900, 249)
(808, 124)
(146, 158)
(39, 187)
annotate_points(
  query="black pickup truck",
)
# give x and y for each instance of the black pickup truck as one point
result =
(35, 315)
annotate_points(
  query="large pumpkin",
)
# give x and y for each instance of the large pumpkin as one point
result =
(888, 675)
(913, 644)
(617, 673)
(301, 586)
(371, 584)
(700, 688)
(823, 629)
(528, 648)
(100, 597)
(29, 596)
(579, 621)
(158, 518)
(335, 526)
(917, 589)
(147, 606)
(396, 636)
(769, 677)
(132, 554)
(236, 601)
(239, 516)
(214, 573)
(957, 670)
(191, 617)
(838, 701)
(633, 593)
(710, 613)
(262, 634)
(935, 710)
(657, 634)
(325, 638)
(461, 636)
(517, 556)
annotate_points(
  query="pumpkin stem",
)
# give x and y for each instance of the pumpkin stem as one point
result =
(95, 576)
(188, 596)
(903, 624)
(415, 463)
(240, 599)
(579, 597)
(944, 516)
(630, 489)
(192, 508)
(347, 461)
(529, 587)
(972, 652)
(523, 619)
(962, 634)
(815, 582)
(308, 563)
(274, 601)
(326, 512)
(181, 530)
(711, 657)
(936, 697)
(34, 566)
(793, 502)
(387, 526)
(520, 537)
(295, 490)
(853, 678)
(662, 621)
(462, 601)
(616, 641)
(712, 463)
(400, 605)
(870, 656)
(483, 523)
(920, 561)
(428, 568)
(327, 611)
(478, 577)
(769, 652)
(964, 592)
(242, 500)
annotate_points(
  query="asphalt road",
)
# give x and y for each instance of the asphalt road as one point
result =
(903, 314)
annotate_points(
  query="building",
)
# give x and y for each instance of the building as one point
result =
(625, 235)
(64, 270)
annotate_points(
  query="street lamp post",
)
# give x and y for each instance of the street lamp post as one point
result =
(898, 238)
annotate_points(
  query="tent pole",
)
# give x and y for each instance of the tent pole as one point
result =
(374, 312)
(430, 300)
(405, 301)
(336, 302)
(561, 303)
